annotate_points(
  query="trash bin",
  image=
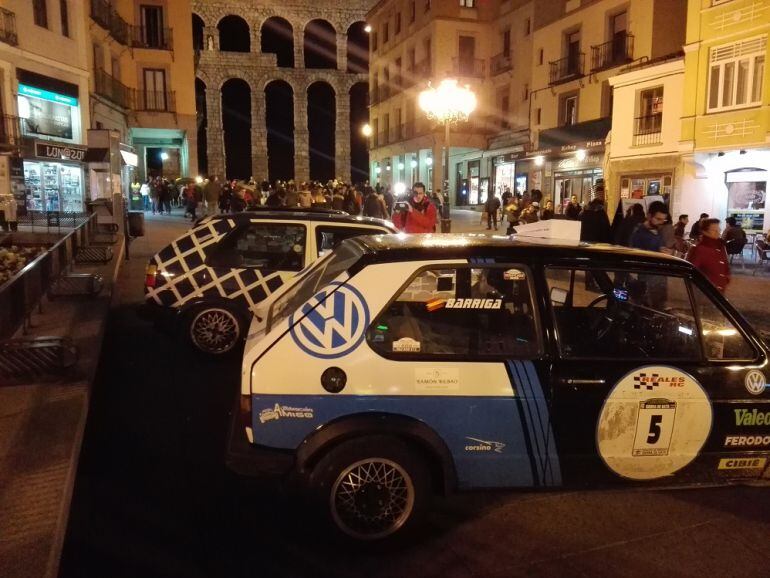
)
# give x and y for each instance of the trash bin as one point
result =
(136, 223)
(446, 225)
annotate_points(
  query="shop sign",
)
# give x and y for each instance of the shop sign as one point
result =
(573, 163)
(47, 95)
(589, 144)
(60, 152)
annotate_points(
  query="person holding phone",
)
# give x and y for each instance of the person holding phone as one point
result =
(417, 214)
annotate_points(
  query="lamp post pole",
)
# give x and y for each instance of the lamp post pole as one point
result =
(446, 220)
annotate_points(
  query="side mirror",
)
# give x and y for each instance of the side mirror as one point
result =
(558, 296)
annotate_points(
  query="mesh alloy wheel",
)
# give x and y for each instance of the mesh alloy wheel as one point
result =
(215, 331)
(372, 498)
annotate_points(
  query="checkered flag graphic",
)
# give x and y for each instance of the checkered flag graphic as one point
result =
(638, 379)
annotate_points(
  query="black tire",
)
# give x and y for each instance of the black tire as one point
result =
(373, 512)
(215, 329)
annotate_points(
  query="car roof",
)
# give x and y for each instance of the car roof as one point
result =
(401, 247)
(318, 215)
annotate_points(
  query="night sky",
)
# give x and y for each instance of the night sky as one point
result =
(320, 52)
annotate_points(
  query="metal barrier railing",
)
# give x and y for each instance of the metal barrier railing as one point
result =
(23, 293)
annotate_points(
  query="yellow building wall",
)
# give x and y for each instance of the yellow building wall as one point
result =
(711, 26)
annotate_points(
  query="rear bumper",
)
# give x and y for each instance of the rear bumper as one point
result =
(253, 460)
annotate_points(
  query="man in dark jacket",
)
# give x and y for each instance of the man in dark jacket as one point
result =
(647, 235)
(491, 207)
(572, 211)
(595, 224)
(695, 232)
(709, 255)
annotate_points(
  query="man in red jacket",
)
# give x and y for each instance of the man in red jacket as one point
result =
(418, 214)
(709, 255)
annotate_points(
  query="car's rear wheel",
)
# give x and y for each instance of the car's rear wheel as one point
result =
(215, 330)
(372, 488)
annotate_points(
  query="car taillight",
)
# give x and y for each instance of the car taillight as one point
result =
(246, 410)
(151, 274)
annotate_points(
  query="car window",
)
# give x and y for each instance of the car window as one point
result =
(271, 246)
(324, 272)
(721, 338)
(328, 237)
(480, 311)
(622, 314)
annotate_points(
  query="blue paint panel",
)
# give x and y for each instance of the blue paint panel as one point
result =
(454, 419)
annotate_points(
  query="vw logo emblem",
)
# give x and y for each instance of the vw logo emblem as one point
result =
(332, 323)
(755, 382)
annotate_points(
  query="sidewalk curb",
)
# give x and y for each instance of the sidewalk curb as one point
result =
(54, 559)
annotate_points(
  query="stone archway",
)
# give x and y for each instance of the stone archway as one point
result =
(277, 37)
(321, 121)
(234, 34)
(280, 123)
(320, 44)
(198, 28)
(236, 126)
(359, 144)
(358, 48)
(201, 115)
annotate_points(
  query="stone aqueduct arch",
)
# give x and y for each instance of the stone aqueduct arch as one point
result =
(259, 69)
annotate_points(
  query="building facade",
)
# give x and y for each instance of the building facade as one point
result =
(726, 112)
(275, 52)
(44, 103)
(142, 79)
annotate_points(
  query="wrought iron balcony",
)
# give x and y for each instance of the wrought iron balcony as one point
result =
(152, 38)
(111, 88)
(105, 16)
(8, 27)
(154, 100)
(648, 129)
(500, 63)
(568, 68)
(468, 67)
(10, 132)
(618, 51)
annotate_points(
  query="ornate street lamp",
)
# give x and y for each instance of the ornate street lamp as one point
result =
(447, 104)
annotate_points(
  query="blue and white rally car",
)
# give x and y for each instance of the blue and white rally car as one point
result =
(399, 366)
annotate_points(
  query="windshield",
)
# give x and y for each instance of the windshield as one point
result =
(327, 269)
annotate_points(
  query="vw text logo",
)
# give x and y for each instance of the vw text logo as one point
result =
(755, 382)
(331, 324)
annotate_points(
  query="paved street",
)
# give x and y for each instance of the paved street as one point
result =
(153, 499)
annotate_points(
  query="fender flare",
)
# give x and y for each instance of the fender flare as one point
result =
(348, 427)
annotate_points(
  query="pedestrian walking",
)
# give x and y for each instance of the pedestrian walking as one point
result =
(374, 205)
(211, 193)
(144, 190)
(492, 206)
(594, 223)
(647, 235)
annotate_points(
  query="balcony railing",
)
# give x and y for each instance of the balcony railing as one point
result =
(619, 50)
(10, 132)
(648, 129)
(500, 63)
(8, 27)
(154, 100)
(568, 68)
(105, 16)
(468, 67)
(153, 38)
(111, 88)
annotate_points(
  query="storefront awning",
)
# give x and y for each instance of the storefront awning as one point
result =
(97, 155)
(129, 159)
(581, 135)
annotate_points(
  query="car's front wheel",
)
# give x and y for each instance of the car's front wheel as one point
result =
(372, 488)
(215, 330)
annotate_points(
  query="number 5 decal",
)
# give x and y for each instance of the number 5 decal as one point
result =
(654, 434)
(654, 427)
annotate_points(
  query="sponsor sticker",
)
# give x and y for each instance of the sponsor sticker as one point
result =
(479, 445)
(745, 417)
(438, 379)
(653, 423)
(279, 411)
(406, 345)
(474, 304)
(747, 441)
(755, 382)
(742, 463)
(514, 275)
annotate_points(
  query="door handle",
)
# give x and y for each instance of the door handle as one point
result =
(575, 381)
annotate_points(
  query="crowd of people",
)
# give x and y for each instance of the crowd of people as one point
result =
(705, 244)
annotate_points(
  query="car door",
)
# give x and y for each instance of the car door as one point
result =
(628, 400)
(255, 260)
(735, 374)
